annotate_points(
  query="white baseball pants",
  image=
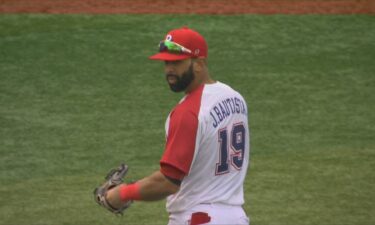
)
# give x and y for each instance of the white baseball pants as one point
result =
(208, 214)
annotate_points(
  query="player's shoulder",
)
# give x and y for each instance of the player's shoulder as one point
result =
(219, 90)
(191, 102)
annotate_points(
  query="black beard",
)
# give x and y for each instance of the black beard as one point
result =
(182, 82)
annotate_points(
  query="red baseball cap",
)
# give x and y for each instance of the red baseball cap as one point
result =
(184, 37)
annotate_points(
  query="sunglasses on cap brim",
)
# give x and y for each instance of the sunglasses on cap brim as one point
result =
(173, 47)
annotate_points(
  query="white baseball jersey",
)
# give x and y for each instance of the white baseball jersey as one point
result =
(208, 140)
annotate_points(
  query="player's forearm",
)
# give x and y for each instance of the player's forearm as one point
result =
(156, 187)
(151, 188)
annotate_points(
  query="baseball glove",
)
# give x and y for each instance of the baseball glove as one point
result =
(113, 179)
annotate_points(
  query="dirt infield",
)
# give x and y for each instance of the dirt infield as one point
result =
(189, 6)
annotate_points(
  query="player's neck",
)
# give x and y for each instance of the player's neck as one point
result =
(204, 79)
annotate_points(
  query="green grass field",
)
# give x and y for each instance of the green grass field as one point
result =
(78, 96)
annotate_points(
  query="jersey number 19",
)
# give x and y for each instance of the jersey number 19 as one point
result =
(237, 145)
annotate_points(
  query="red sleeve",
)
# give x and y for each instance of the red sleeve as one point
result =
(180, 146)
(171, 171)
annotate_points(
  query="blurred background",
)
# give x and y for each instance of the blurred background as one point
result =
(78, 96)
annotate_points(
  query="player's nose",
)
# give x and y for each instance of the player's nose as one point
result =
(169, 69)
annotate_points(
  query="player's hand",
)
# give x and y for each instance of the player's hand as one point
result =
(113, 179)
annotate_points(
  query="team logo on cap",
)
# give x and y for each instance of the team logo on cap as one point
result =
(169, 37)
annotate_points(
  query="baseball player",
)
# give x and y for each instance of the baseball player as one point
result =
(206, 156)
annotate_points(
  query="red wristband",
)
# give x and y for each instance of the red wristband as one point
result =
(130, 192)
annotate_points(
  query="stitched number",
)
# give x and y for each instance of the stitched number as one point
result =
(237, 143)
(223, 166)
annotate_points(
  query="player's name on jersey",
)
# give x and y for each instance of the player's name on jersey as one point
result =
(226, 108)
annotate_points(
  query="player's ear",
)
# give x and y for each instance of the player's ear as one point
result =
(198, 65)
